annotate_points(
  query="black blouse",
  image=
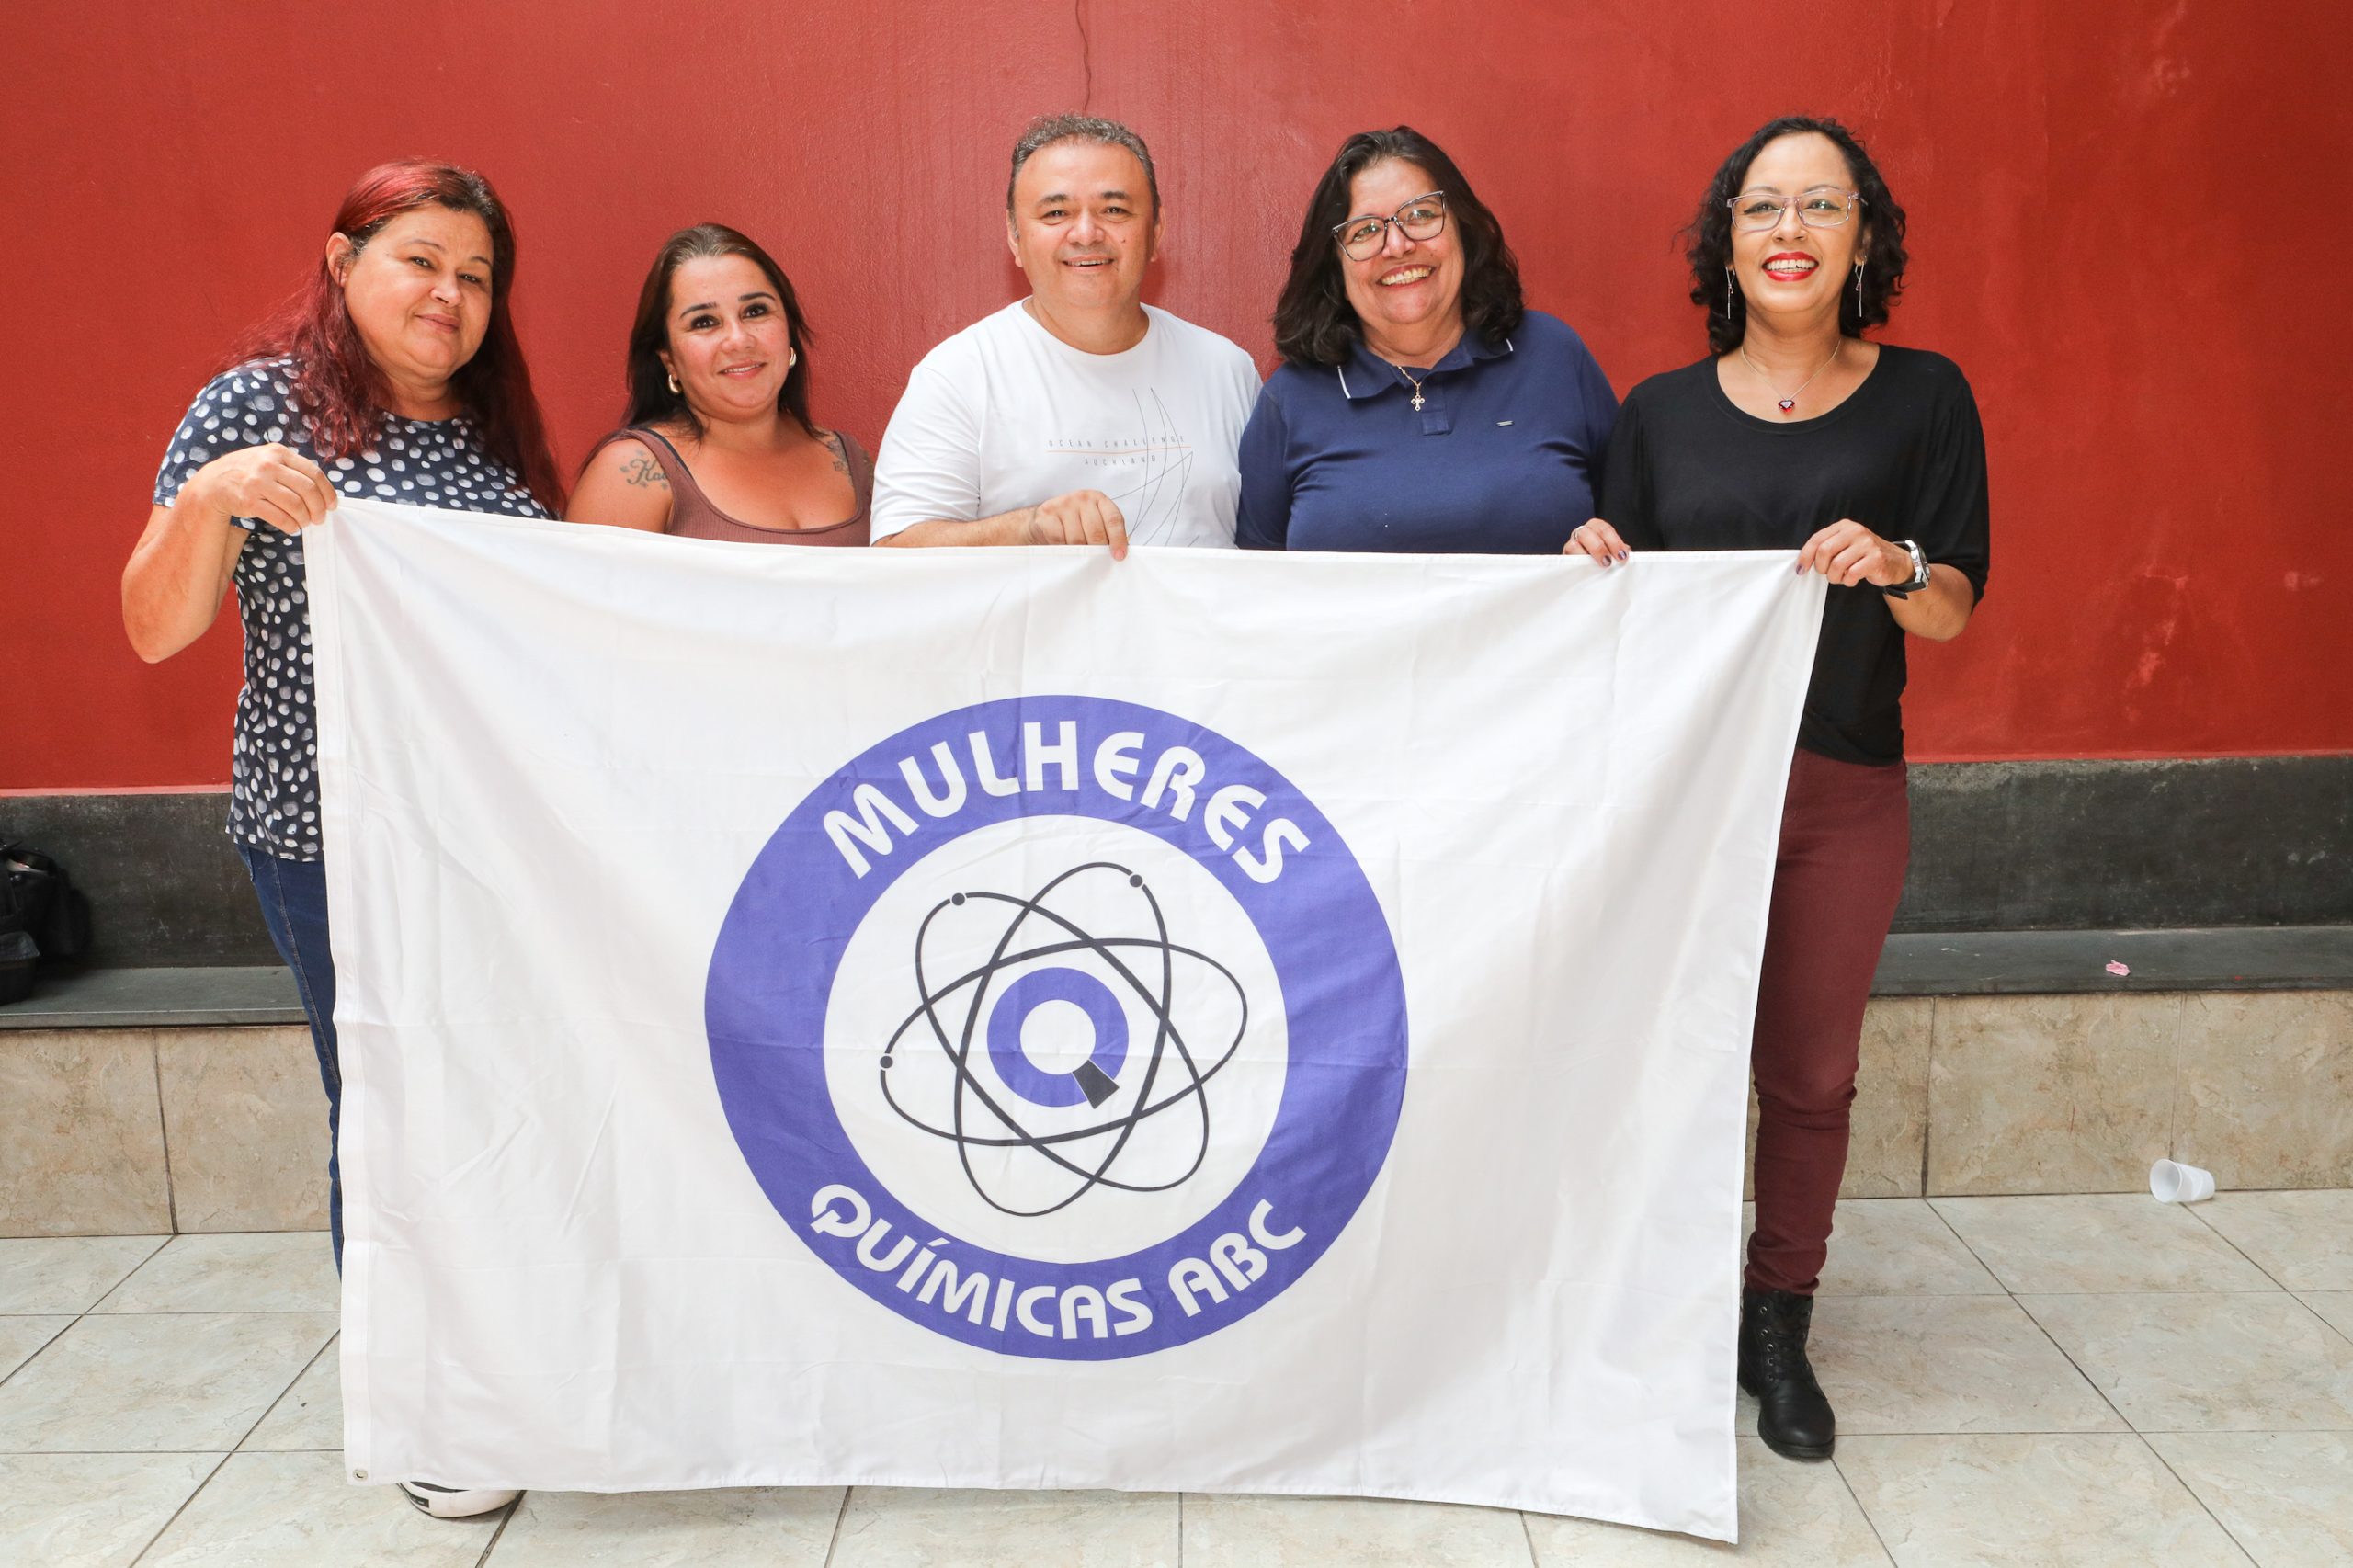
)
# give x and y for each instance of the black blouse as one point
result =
(1904, 456)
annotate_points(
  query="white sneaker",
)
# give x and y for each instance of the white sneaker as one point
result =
(457, 1503)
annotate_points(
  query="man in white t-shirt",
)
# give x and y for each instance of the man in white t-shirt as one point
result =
(1080, 415)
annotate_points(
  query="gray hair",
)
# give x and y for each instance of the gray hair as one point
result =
(1046, 129)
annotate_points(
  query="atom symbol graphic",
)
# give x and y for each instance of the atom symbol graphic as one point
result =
(1029, 966)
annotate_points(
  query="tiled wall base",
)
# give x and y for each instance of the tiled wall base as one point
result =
(1966, 1094)
(141, 1131)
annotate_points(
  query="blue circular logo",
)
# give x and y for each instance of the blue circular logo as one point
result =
(1094, 1080)
(1061, 1026)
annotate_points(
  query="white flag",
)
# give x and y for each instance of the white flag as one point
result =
(1007, 1017)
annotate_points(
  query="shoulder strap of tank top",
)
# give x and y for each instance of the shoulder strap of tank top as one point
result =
(674, 466)
(861, 468)
(687, 499)
(666, 455)
(686, 496)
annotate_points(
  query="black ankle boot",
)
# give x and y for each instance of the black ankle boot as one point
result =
(1793, 1415)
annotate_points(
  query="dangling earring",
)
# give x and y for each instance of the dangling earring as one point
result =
(1858, 289)
(674, 383)
(1727, 293)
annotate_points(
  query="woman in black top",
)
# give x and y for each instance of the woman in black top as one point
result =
(1868, 460)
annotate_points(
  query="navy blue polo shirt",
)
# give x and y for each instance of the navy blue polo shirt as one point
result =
(1503, 458)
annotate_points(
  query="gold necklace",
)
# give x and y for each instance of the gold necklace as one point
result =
(1418, 387)
(1409, 375)
(1788, 404)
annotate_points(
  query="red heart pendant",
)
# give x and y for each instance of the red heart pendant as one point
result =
(1788, 404)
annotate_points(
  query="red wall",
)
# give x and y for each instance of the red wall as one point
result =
(2130, 224)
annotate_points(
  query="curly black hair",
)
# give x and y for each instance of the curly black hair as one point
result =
(1315, 323)
(1711, 236)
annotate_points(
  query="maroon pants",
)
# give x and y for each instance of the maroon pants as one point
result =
(1846, 836)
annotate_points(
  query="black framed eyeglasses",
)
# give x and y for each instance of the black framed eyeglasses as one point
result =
(1824, 207)
(1424, 218)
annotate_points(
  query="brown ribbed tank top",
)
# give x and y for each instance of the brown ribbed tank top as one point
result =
(693, 516)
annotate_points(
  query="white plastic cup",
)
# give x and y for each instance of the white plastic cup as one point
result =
(2170, 1181)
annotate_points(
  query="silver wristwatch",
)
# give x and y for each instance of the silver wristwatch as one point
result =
(1919, 578)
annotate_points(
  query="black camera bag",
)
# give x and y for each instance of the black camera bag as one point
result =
(39, 899)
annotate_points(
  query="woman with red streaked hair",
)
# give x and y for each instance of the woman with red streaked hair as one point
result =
(393, 374)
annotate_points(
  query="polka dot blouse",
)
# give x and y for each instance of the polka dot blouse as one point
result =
(274, 785)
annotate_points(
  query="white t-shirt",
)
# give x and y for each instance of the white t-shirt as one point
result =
(1004, 414)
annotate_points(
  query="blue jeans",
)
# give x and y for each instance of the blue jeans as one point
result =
(294, 906)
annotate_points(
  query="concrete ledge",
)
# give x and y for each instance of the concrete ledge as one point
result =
(1983, 963)
(2062, 963)
(158, 998)
(1996, 847)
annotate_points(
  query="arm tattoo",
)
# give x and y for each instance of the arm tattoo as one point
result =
(643, 472)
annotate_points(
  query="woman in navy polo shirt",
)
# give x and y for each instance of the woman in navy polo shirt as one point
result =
(1420, 406)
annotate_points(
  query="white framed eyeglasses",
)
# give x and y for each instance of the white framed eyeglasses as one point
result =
(1824, 207)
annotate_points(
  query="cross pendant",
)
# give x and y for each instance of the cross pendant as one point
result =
(1417, 403)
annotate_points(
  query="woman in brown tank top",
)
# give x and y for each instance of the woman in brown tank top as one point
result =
(718, 443)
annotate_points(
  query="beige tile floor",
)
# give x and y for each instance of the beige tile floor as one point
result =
(2062, 1381)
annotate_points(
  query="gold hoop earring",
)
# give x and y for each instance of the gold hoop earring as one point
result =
(674, 383)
